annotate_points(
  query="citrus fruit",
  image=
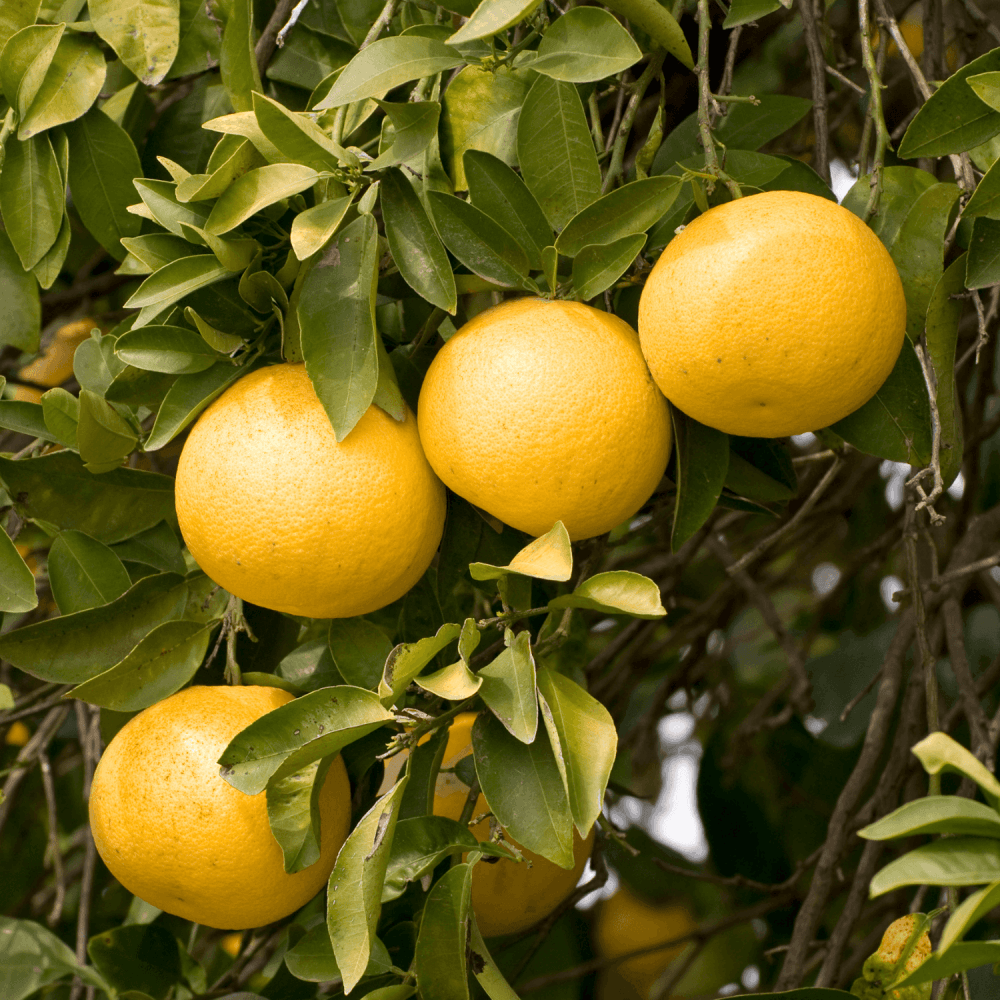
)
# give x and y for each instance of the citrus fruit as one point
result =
(279, 513)
(507, 896)
(540, 412)
(774, 314)
(55, 364)
(625, 923)
(177, 835)
(17, 735)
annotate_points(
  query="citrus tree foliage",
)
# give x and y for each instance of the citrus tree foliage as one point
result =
(191, 189)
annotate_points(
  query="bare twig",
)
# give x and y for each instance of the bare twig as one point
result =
(876, 116)
(268, 41)
(57, 859)
(811, 13)
(761, 547)
(957, 657)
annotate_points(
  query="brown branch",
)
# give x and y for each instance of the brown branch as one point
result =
(53, 821)
(973, 709)
(811, 13)
(702, 933)
(811, 912)
(268, 41)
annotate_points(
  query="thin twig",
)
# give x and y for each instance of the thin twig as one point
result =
(381, 23)
(628, 119)
(57, 859)
(811, 14)
(761, 547)
(876, 116)
(268, 41)
(846, 80)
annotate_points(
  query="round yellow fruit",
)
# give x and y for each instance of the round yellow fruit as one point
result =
(279, 513)
(55, 365)
(540, 412)
(507, 896)
(177, 835)
(773, 314)
(624, 923)
(17, 735)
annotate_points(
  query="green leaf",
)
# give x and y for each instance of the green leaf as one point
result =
(896, 422)
(416, 247)
(17, 585)
(298, 138)
(15, 15)
(71, 83)
(749, 126)
(103, 436)
(760, 469)
(234, 255)
(312, 229)
(414, 125)
(244, 123)
(935, 814)
(968, 913)
(455, 682)
(141, 957)
(161, 663)
(19, 293)
(485, 969)
(953, 119)
(491, 17)
(31, 956)
(95, 365)
(336, 314)
(109, 507)
(293, 814)
(508, 687)
(944, 311)
(939, 752)
(175, 280)
(359, 650)
(312, 959)
(308, 57)
(421, 843)
(555, 150)
(918, 250)
(985, 199)
(354, 892)
(548, 557)
(953, 861)
(157, 547)
(444, 929)
(24, 61)
(199, 42)
(983, 264)
(745, 11)
(478, 242)
(156, 249)
(524, 789)
(292, 736)
(25, 418)
(423, 765)
(597, 268)
(627, 210)
(584, 45)
(237, 61)
(987, 88)
(615, 592)
(499, 192)
(480, 112)
(659, 24)
(145, 35)
(583, 736)
(187, 398)
(901, 186)
(61, 410)
(84, 573)
(160, 199)
(171, 349)
(76, 647)
(50, 266)
(237, 161)
(32, 197)
(386, 64)
(257, 189)
(409, 658)
(960, 957)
